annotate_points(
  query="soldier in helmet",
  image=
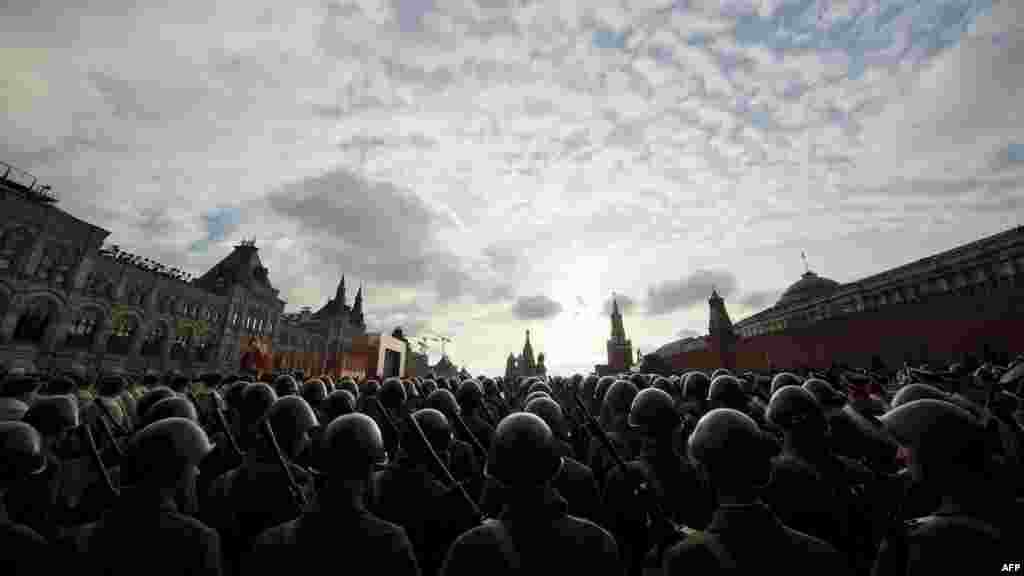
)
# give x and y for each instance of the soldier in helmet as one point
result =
(694, 398)
(533, 532)
(466, 462)
(575, 482)
(21, 450)
(673, 484)
(411, 491)
(314, 392)
(164, 458)
(743, 536)
(257, 495)
(470, 399)
(975, 522)
(285, 385)
(18, 390)
(812, 489)
(614, 416)
(337, 403)
(350, 450)
(851, 435)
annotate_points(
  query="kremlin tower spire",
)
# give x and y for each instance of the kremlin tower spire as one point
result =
(620, 349)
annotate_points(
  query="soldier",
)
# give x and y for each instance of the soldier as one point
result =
(146, 519)
(314, 392)
(785, 379)
(614, 415)
(743, 536)
(851, 435)
(338, 403)
(21, 450)
(533, 532)
(151, 398)
(351, 448)
(410, 493)
(466, 458)
(285, 385)
(813, 490)
(42, 503)
(673, 484)
(575, 482)
(976, 521)
(694, 398)
(176, 407)
(470, 399)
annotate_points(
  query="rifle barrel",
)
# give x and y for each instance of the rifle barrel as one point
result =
(296, 492)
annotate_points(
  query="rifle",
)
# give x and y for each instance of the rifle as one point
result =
(222, 425)
(665, 530)
(94, 455)
(438, 463)
(108, 435)
(106, 411)
(460, 424)
(296, 492)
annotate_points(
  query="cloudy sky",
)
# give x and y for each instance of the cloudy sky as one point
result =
(488, 167)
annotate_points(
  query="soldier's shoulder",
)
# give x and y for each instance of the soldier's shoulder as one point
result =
(810, 544)
(575, 468)
(189, 525)
(278, 535)
(19, 534)
(587, 529)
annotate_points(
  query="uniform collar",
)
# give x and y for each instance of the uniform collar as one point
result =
(544, 505)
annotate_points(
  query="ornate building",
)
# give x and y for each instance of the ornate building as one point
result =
(65, 300)
(620, 349)
(968, 301)
(525, 365)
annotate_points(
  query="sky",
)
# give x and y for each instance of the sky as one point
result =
(485, 168)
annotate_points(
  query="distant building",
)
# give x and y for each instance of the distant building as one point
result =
(620, 349)
(525, 365)
(385, 355)
(965, 302)
(65, 300)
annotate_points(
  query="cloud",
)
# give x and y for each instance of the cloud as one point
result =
(626, 305)
(536, 308)
(760, 299)
(683, 293)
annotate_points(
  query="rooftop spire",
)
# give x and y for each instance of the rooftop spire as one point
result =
(803, 256)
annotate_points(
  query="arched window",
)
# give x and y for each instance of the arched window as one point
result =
(120, 341)
(34, 321)
(154, 340)
(83, 329)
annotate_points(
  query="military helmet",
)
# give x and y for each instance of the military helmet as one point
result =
(233, 394)
(111, 385)
(589, 386)
(827, 396)
(664, 384)
(256, 399)
(619, 397)
(428, 387)
(338, 403)
(177, 382)
(523, 452)
(725, 391)
(720, 372)
(731, 447)
(350, 447)
(469, 394)
(696, 385)
(785, 379)
(392, 394)
(653, 413)
(539, 387)
(435, 427)
(314, 391)
(349, 384)
(550, 412)
(291, 417)
(534, 395)
(912, 392)
(602, 386)
(793, 407)
(22, 450)
(444, 401)
(211, 379)
(150, 379)
(412, 389)
(639, 380)
(163, 449)
(490, 387)
(945, 441)
(176, 407)
(328, 381)
(52, 415)
(150, 398)
(285, 385)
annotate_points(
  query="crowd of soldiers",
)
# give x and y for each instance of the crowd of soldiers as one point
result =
(846, 472)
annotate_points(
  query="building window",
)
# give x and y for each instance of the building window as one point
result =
(83, 329)
(154, 340)
(120, 340)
